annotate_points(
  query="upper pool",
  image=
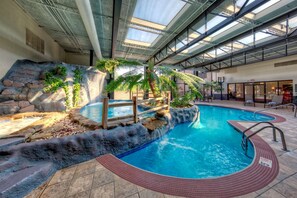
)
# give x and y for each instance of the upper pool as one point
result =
(94, 111)
(204, 149)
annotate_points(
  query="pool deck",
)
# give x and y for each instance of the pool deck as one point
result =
(91, 179)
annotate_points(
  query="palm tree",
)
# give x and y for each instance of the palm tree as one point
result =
(158, 79)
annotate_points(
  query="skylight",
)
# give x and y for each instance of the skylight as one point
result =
(212, 23)
(158, 11)
(156, 14)
(139, 37)
(247, 40)
(227, 27)
(262, 36)
(265, 6)
(147, 23)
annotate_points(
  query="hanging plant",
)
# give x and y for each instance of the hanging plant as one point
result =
(76, 87)
(56, 79)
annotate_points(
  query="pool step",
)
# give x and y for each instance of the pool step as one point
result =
(21, 182)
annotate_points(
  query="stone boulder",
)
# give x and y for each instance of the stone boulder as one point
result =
(18, 84)
(7, 83)
(30, 108)
(9, 107)
(10, 91)
(23, 104)
(25, 82)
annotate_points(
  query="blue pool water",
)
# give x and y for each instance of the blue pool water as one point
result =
(94, 111)
(204, 149)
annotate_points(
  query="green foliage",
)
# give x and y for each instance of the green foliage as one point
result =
(67, 99)
(157, 79)
(184, 101)
(193, 82)
(109, 65)
(52, 83)
(60, 71)
(76, 86)
(55, 79)
(214, 85)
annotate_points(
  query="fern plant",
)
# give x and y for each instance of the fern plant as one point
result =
(76, 86)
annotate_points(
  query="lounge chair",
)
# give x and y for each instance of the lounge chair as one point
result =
(249, 100)
(276, 100)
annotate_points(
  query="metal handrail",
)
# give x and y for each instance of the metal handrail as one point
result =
(274, 134)
(277, 106)
(244, 142)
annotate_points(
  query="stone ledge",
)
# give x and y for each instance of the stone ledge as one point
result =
(70, 150)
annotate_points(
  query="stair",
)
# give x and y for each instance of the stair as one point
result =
(21, 182)
(7, 142)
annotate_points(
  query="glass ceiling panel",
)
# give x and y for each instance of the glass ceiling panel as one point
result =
(262, 36)
(247, 40)
(142, 36)
(239, 3)
(227, 27)
(293, 22)
(158, 11)
(265, 6)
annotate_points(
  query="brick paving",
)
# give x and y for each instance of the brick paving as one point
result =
(91, 179)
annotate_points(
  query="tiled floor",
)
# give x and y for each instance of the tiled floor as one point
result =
(90, 179)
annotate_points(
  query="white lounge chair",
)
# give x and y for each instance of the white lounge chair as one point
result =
(276, 100)
(249, 100)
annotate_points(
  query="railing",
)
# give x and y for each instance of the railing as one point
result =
(275, 107)
(134, 103)
(244, 141)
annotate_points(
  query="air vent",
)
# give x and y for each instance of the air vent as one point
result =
(287, 63)
(34, 41)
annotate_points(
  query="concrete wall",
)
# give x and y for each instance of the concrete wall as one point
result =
(13, 24)
(261, 71)
(79, 59)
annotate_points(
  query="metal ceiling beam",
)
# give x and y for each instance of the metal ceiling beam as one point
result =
(117, 5)
(266, 46)
(203, 16)
(246, 33)
(84, 7)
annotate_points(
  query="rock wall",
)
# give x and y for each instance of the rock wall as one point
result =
(62, 152)
(21, 89)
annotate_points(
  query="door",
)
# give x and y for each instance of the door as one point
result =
(259, 92)
(249, 91)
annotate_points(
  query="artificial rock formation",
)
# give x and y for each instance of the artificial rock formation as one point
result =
(28, 165)
(21, 89)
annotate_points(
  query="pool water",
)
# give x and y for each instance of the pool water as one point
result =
(203, 149)
(94, 111)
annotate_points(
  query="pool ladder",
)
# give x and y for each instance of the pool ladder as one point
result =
(245, 139)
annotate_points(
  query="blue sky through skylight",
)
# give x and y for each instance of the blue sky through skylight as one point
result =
(158, 11)
(140, 35)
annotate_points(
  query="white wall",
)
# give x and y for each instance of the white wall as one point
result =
(13, 24)
(261, 71)
(79, 59)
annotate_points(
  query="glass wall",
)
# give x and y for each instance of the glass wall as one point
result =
(285, 88)
(261, 91)
(231, 91)
(249, 91)
(239, 91)
(271, 90)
